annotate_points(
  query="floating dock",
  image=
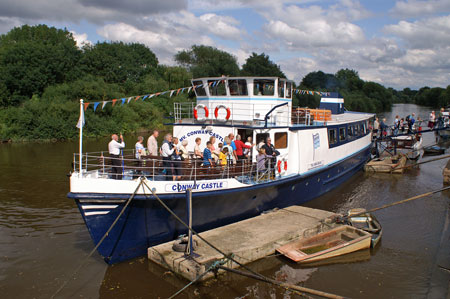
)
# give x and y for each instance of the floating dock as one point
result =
(249, 240)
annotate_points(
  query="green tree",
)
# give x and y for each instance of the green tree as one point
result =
(34, 57)
(320, 81)
(118, 62)
(260, 65)
(206, 61)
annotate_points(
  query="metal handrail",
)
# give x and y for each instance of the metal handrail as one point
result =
(100, 166)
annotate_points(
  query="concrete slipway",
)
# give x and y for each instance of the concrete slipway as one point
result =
(249, 240)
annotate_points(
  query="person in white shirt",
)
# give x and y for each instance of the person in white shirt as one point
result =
(140, 149)
(114, 148)
(152, 144)
(166, 152)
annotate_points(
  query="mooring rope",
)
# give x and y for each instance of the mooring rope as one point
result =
(101, 240)
(400, 202)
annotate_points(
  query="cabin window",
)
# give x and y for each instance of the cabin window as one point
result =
(332, 136)
(261, 137)
(263, 87)
(217, 87)
(342, 134)
(281, 89)
(356, 130)
(362, 129)
(288, 90)
(238, 87)
(199, 91)
(350, 132)
(281, 140)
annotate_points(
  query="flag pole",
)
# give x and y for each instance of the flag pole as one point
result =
(81, 138)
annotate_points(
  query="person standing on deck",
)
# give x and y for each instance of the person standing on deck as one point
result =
(272, 152)
(432, 120)
(383, 127)
(376, 127)
(396, 125)
(152, 144)
(207, 157)
(233, 145)
(411, 123)
(239, 148)
(114, 148)
(166, 152)
(247, 151)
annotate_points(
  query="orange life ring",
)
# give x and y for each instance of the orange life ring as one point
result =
(216, 113)
(201, 106)
(279, 166)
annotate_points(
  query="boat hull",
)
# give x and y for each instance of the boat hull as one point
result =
(146, 223)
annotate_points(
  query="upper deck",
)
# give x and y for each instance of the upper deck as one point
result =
(255, 102)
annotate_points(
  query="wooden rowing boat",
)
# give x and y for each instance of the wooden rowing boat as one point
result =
(393, 164)
(433, 150)
(335, 242)
(367, 222)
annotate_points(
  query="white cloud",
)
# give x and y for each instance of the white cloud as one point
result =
(81, 39)
(417, 8)
(169, 34)
(422, 34)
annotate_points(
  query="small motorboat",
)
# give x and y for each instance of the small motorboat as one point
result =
(335, 242)
(433, 150)
(392, 164)
(360, 219)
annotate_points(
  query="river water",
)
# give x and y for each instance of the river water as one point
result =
(43, 238)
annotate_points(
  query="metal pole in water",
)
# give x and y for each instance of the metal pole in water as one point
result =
(189, 247)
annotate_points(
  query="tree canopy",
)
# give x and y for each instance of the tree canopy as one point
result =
(261, 65)
(206, 61)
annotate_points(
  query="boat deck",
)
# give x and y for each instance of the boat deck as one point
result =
(249, 240)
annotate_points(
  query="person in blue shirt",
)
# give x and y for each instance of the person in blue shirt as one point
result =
(207, 157)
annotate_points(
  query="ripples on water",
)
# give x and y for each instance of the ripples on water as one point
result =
(43, 237)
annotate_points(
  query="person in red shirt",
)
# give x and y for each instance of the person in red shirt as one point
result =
(240, 146)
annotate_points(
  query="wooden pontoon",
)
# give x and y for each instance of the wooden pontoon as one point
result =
(335, 242)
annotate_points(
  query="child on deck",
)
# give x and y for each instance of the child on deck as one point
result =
(223, 157)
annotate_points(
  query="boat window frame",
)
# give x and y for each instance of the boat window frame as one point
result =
(266, 91)
(288, 92)
(240, 92)
(213, 90)
(199, 91)
(344, 131)
(335, 138)
(281, 88)
(280, 143)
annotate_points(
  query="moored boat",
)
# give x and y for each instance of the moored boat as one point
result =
(391, 164)
(433, 150)
(335, 242)
(316, 150)
(367, 222)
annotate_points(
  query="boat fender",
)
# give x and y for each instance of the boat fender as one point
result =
(216, 113)
(285, 165)
(201, 106)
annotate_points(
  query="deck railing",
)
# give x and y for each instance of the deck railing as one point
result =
(128, 167)
(251, 114)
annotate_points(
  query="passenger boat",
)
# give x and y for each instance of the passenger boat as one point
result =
(335, 242)
(319, 149)
(391, 164)
(367, 222)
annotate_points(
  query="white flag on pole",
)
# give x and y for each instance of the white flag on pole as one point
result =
(81, 119)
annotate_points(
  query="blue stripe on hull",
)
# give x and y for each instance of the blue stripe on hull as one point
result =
(146, 223)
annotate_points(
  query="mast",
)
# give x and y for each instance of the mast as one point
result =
(80, 126)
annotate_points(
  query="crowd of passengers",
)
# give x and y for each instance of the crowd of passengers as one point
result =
(231, 152)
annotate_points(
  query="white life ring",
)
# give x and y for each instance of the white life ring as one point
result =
(201, 106)
(216, 113)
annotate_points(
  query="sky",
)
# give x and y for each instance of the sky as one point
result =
(395, 43)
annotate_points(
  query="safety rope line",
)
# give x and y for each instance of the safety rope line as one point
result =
(101, 240)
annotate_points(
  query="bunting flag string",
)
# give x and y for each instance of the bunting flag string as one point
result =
(176, 92)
